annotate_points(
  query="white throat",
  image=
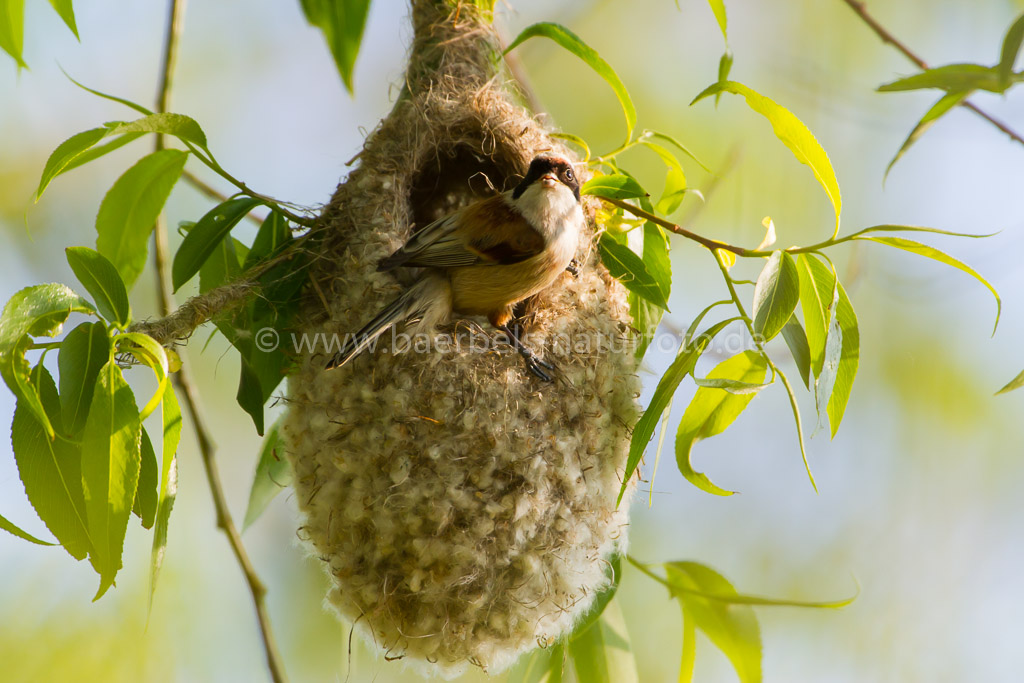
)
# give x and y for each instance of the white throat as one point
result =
(549, 209)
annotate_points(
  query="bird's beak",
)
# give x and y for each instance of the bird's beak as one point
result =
(549, 180)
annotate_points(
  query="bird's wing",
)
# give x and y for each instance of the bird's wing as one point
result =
(456, 240)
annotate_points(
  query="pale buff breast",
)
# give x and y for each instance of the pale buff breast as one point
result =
(480, 290)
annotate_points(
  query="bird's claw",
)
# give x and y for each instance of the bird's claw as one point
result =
(536, 366)
(573, 268)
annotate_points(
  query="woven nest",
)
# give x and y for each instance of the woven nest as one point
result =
(464, 510)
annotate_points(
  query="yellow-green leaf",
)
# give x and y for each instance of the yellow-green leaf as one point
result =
(1011, 46)
(712, 410)
(12, 29)
(792, 132)
(130, 209)
(941, 257)
(50, 470)
(602, 653)
(342, 23)
(937, 111)
(1015, 383)
(776, 295)
(733, 628)
(574, 44)
(110, 469)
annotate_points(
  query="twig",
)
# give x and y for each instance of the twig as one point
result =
(211, 192)
(185, 386)
(861, 10)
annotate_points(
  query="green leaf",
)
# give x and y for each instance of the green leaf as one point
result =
(100, 278)
(776, 295)
(689, 653)
(724, 68)
(148, 351)
(250, 395)
(831, 359)
(110, 469)
(952, 78)
(273, 474)
(817, 284)
(731, 386)
(678, 145)
(540, 665)
(146, 493)
(131, 207)
(96, 152)
(945, 103)
(683, 365)
(718, 7)
(796, 340)
(674, 193)
(202, 240)
(656, 257)
(185, 128)
(1015, 383)
(79, 149)
(272, 237)
(613, 186)
(12, 528)
(576, 140)
(222, 265)
(120, 100)
(646, 318)
(913, 228)
(66, 152)
(67, 13)
(712, 411)
(51, 470)
(12, 29)
(602, 653)
(732, 628)
(792, 132)
(342, 23)
(941, 257)
(168, 484)
(38, 311)
(1011, 47)
(571, 42)
(630, 269)
(83, 352)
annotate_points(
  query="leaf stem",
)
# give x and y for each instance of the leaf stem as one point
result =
(212, 193)
(860, 8)
(771, 364)
(183, 381)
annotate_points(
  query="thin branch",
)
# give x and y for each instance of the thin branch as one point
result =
(210, 192)
(185, 386)
(859, 7)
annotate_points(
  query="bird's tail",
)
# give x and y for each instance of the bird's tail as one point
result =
(421, 301)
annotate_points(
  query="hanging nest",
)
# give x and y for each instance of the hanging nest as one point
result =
(464, 510)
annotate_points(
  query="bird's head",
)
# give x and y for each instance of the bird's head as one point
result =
(550, 172)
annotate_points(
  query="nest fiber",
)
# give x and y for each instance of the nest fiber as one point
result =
(464, 510)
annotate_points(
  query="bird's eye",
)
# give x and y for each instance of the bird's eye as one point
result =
(568, 174)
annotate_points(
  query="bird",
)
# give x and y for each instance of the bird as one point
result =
(485, 258)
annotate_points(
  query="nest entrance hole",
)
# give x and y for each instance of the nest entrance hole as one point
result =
(457, 176)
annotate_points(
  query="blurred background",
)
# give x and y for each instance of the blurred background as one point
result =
(919, 498)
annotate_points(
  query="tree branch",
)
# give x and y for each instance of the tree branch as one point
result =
(182, 378)
(859, 7)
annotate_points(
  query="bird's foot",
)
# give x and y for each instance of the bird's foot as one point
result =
(573, 268)
(535, 365)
